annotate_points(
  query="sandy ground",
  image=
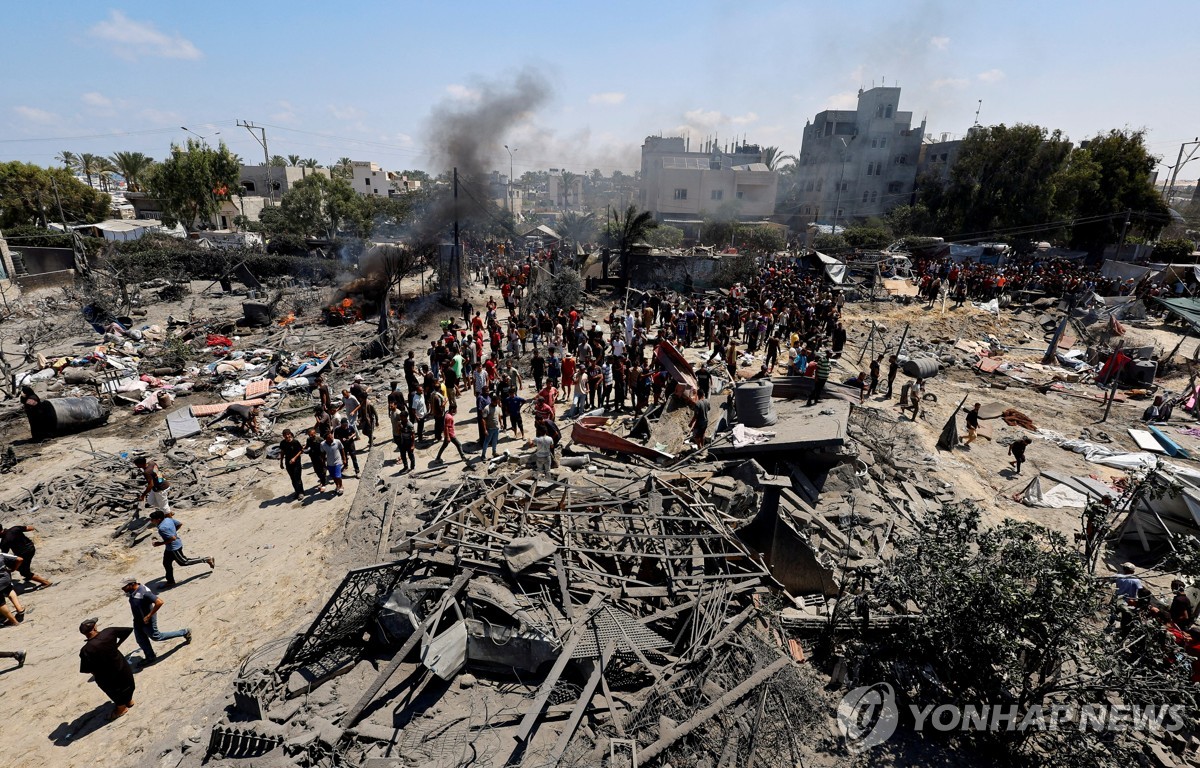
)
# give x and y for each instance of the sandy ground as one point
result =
(277, 560)
(276, 564)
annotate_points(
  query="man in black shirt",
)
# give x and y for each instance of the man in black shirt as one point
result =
(14, 540)
(1182, 612)
(348, 435)
(893, 369)
(290, 452)
(703, 381)
(101, 657)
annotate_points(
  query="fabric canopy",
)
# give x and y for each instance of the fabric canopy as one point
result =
(1186, 309)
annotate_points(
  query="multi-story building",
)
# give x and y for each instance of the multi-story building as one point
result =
(858, 163)
(679, 185)
(271, 182)
(564, 196)
(938, 157)
(370, 180)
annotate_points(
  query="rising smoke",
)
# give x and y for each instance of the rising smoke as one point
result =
(469, 134)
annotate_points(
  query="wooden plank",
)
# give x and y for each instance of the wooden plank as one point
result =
(1173, 449)
(1145, 440)
(581, 706)
(364, 701)
(560, 664)
(703, 716)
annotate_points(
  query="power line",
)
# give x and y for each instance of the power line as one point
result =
(145, 132)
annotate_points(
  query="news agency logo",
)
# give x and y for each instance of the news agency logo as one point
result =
(868, 716)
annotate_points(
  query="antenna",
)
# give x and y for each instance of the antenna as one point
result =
(977, 108)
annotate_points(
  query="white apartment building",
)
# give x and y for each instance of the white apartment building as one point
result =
(370, 180)
(679, 185)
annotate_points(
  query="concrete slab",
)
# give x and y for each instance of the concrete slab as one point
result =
(799, 429)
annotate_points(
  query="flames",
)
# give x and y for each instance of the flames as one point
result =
(343, 313)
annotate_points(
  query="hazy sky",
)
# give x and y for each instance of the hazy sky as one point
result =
(360, 79)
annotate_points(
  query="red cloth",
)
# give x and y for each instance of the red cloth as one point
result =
(216, 340)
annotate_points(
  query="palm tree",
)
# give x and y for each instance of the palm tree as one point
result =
(69, 159)
(310, 163)
(277, 161)
(89, 165)
(293, 160)
(105, 170)
(344, 168)
(567, 179)
(576, 228)
(774, 160)
(626, 229)
(133, 167)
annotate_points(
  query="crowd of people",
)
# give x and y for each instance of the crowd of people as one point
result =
(968, 280)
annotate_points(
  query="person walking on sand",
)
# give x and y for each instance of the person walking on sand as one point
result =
(448, 436)
(334, 454)
(1017, 451)
(156, 485)
(145, 605)
(290, 453)
(168, 529)
(312, 446)
(101, 658)
(14, 540)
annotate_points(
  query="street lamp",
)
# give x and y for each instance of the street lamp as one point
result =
(837, 205)
(510, 175)
(202, 138)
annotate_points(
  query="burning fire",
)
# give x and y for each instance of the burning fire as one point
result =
(343, 313)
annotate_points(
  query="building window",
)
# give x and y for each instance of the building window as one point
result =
(888, 112)
(845, 185)
(874, 143)
(870, 169)
(883, 142)
(681, 194)
(894, 187)
(943, 157)
(810, 187)
(367, 182)
(819, 183)
(902, 160)
(874, 195)
(717, 194)
(740, 194)
(840, 212)
(248, 186)
(865, 196)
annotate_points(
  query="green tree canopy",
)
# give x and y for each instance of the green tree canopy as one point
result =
(626, 228)
(1005, 177)
(320, 206)
(871, 238)
(30, 194)
(134, 167)
(665, 236)
(192, 181)
(1012, 615)
(1108, 175)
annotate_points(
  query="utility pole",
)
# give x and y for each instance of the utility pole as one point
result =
(457, 257)
(1179, 162)
(261, 138)
(837, 206)
(1124, 230)
(81, 264)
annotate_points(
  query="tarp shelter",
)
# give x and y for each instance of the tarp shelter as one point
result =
(542, 231)
(1186, 309)
(835, 270)
(977, 254)
(1121, 270)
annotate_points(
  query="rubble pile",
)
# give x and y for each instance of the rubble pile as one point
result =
(105, 488)
(543, 622)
